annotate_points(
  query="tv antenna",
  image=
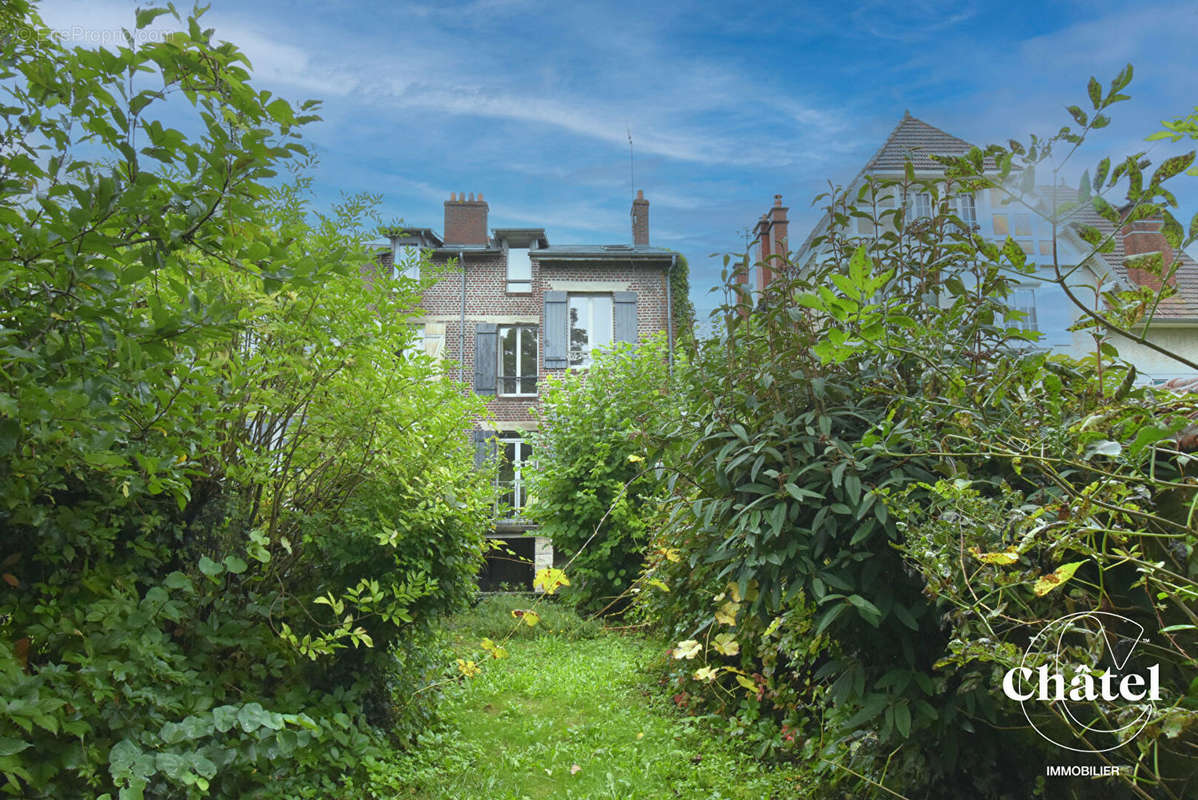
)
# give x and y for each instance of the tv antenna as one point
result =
(631, 165)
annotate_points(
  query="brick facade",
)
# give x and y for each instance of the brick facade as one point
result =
(591, 269)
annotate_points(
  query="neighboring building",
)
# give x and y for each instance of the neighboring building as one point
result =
(508, 309)
(1048, 310)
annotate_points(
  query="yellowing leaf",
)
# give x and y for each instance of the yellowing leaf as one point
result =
(705, 674)
(496, 651)
(726, 644)
(672, 554)
(1008, 557)
(727, 614)
(659, 584)
(635, 458)
(550, 579)
(746, 682)
(468, 668)
(527, 616)
(734, 592)
(1057, 578)
(772, 628)
(688, 648)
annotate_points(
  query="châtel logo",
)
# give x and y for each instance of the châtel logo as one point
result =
(1082, 669)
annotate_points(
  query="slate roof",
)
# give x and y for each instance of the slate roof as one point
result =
(1181, 306)
(915, 139)
(602, 252)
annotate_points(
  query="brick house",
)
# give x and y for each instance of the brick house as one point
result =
(1047, 308)
(506, 309)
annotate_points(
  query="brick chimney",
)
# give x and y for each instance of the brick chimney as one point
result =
(1144, 237)
(640, 220)
(772, 232)
(466, 220)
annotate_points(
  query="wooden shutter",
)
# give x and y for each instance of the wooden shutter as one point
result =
(556, 330)
(624, 307)
(486, 357)
(484, 448)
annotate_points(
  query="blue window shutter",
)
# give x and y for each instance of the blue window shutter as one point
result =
(484, 448)
(624, 307)
(486, 357)
(556, 330)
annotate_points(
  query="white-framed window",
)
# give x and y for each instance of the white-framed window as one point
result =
(591, 326)
(921, 205)
(965, 207)
(517, 360)
(519, 270)
(514, 456)
(406, 262)
(1047, 310)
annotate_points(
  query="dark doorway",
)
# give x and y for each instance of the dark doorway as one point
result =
(508, 568)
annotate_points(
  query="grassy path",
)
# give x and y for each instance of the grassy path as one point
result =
(569, 717)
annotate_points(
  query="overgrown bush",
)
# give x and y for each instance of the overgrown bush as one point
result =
(890, 490)
(231, 506)
(593, 490)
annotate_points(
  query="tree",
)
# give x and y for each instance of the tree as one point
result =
(230, 509)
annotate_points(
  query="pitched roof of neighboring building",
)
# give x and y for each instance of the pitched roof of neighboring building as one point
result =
(916, 140)
(1181, 306)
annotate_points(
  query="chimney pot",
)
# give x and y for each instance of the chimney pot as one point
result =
(480, 197)
(472, 197)
(777, 199)
(453, 197)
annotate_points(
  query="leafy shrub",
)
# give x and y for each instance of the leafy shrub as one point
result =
(871, 431)
(593, 491)
(231, 511)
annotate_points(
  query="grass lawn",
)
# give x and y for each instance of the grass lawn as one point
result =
(570, 715)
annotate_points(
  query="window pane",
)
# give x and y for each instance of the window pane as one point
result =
(519, 266)
(1024, 299)
(967, 211)
(1001, 228)
(407, 262)
(580, 330)
(1023, 224)
(602, 321)
(528, 360)
(519, 270)
(507, 359)
(590, 326)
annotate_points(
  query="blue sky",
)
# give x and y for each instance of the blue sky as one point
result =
(531, 102)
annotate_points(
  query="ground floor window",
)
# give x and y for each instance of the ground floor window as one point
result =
(513, 491)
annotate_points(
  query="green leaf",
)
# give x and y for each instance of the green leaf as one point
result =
(210, 567)
(1095, 90)
(235, 565)
(145, 16)
(902, 719)
(10, 746)
(252, 716)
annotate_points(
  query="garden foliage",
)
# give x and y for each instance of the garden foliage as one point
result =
(232, 502)
(594, 492)
(889, 489)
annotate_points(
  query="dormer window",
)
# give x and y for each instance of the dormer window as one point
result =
(406, 262)
(519, 271)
